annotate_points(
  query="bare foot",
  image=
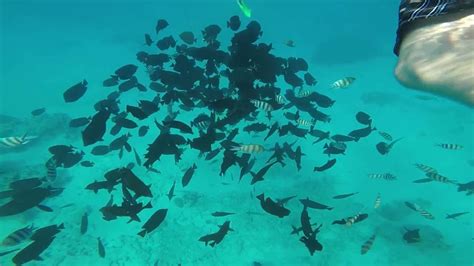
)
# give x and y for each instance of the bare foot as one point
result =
(437, 56)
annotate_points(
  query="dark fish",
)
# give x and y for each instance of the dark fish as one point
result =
(32, 251)
(234, 23)
(216, 238)
(455, 215)
(137, 157)
(87, 163)
(221, 214)
(178, 125)
(188, 175)
(364, 118)
(327, 165)
(309, 79)
(212, 154)
(113, 96)
(314, 205)
(187, 37)
(412, 236)
(165, 43)
(128, 84)
(297, 230)
(135, 184)
(297, 158)
(160, 25)
(343, 196)
(342, 138)
(148, 40)
(272, 207)
(321, 135)
(8, 252)
(75, 92)
(100, 150)
(38, 111)
(98, 185)
(79, 122)
(25, 200)
(384, 148)
(272, 130)
(467, 187)
(361, 133)
(137, 112)
(256, 127)
(283, 201)
(101, 248)
(158, 87)
(125, 123)
(19, 236)
(171, 192)
(305, 222)
(110, 82)
(126, 71)
(25, 184)
(46, 232)
(143, 130)
(256, 177)
(95, 131)
(84, 223)
(153, 222)
(310, 241)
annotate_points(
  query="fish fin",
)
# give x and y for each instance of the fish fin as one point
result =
(61, 226)
(44, 208)
(142, 233)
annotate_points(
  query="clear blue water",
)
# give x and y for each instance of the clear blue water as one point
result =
(47, 46)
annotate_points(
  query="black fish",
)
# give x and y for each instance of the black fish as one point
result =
(79, 122)
(305, 222)
(187, 37)
(256, 177)
(38, 111)
(137, 112)
(87, 163)
(95, 131)
(153, 222)
(101, 248)
(364, 118)
(272, 130)
(110, 82)
(234, 23)
(314, 205)
(221, 214)
(297, 230)
(412, 236)
(342, 138)
(160, 25)
(455, 215)
(468, 187)
(148, 40)
(256, 127)
(137, 157)
(32, 251)
(178, 125)
(343, 196)
(297, 157)
(171, 192)
(26, 200)
(125, 123)
(283, 201)
(188, 175)
(100, 150)
(29, 183)
(128, 84)
(272, 207)
(84, 223)
(384, 148)
(75, 92)
(47, 232)
(125, 210)
(327, 165)
(97, 185)
(309, 79)
(166, 43)
(361, 133)
(321, 135)
(126, 71)
(216, 238)
(132, 182)
(143, 130)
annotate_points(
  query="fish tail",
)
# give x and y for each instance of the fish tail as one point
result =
(142, 233)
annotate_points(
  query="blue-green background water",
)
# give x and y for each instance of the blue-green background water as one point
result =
(47, 46)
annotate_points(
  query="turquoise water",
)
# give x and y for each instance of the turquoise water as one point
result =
(48, 46)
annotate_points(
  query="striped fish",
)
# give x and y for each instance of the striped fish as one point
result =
(13, 142)
(249, 148)
(385, 135)
(343, 83)
(367, 245)
(351, 220)
(423, 212)
(262, 105)
(386, 176)
(378, 201)
(450, 146)
(440, 178)
(51, 172)
(425, 168)
(304, 122)
(304, 93)
(18, 236)
(280, 99)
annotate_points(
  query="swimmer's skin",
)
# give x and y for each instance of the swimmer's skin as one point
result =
(437, 56)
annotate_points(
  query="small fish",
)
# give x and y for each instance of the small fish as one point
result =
(343, 83)
(187, 37)
(101, 248)
(75, 92)
(51, 172)
(367, 245)
(412, 236)
(355, 219)
(100, 150)
(244, 8)
(455, 215)
(38, 111)
(160, 25)
(450, 146)
(272, 207)
(188, 175)
(148, 40)
(171, 192)
(290, 43)
(249, 148)
(14, 142)
(19, 236)
(314, 205)
(378, 201)
(153, 222)
(217, 237)
(384, 148)
(303, 122)
(385, 135)
(324, 167)
(262, 105)
(79, 122)
(84, 223)
(364, 118)
(137, 157)
(280, 99)
(234, 23)
(87, 163)
(143, 130)
(343, 196)
(386, 176)
(221, 214)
